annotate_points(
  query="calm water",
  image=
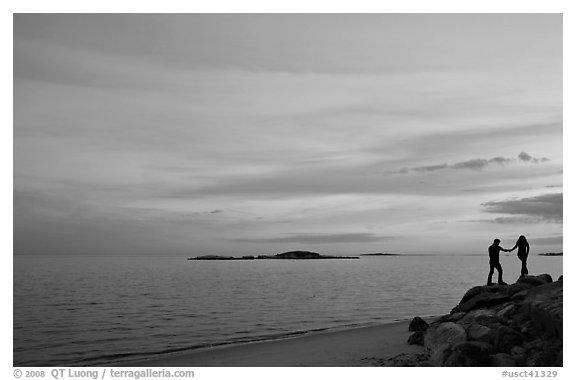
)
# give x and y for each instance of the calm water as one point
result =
(88, 310)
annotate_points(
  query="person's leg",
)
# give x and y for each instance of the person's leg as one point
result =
(489, 282)
(524, 271)
(500, 272)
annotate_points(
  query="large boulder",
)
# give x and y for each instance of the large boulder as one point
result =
(544, 305)
(502, 360)
(485, 317)
(505, 338)
(518, 287)
(445, 334)
(476, 290)
(469, 354)
(535, 280)
(507, 312)
(416, 338)
(481, 300)
(473, 292)
(418, 324)
(546, 292)
(452, 317)
(480, 333)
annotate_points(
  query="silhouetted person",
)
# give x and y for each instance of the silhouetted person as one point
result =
(494, 253)
(523, 251)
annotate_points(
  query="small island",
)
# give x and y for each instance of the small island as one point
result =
(380, 254)
(291, 255)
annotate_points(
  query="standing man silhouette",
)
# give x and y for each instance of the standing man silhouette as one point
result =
(494, 253)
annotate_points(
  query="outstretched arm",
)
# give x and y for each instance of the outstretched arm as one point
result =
(513, 248)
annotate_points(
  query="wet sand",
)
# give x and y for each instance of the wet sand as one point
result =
(363, 346)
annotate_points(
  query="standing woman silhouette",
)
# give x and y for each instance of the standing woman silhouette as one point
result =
(523, 251)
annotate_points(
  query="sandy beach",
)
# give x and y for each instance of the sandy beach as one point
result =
(363, 346)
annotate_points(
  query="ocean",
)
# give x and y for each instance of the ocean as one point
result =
(85, 311)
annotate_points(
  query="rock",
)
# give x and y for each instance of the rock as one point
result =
(482, 300)
(439, 356)
(453, 317)
(519, 296)
(506, 312)
(473, 292)
(545, 307)
(561, 278)
(515, 325)
(518, 287)
(547, 355)
(527, 328)
(502, 360)
(535, 280)
(418, 324)
(480, 333)
(517, 351)
(519, 355)
(447, 333)
(545, 292)
(406, 360)
(482, 316)
(469, 354)
(546, 277)
(416, 338)
(505, 338)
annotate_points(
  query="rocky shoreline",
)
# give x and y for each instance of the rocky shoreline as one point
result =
(517, 325)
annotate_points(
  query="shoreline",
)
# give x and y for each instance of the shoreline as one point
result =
(341, 347)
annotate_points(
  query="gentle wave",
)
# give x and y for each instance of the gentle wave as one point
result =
(94, 311)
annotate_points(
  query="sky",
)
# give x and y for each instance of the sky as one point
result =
(234, 134)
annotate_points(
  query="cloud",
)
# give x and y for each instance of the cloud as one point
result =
(321, 238)
(547, 207)
(476, 163)
(516, 220)
(480, 163)
(523, 156)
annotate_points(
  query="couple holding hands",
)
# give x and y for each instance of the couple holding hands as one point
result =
(494, 253)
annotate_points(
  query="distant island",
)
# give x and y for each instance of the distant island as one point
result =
(291, 255)
(551, 254)
(380, 254)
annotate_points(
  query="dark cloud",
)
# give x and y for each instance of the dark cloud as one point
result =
(547, 207)
(430, 168)
(480, 163)
(476, 163)
(321, 238)
(516, 220)
(525, 157)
